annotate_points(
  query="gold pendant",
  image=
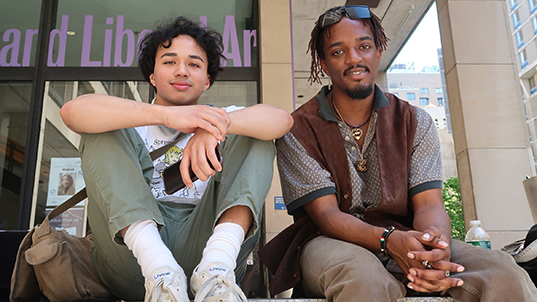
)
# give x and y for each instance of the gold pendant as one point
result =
(357, 133)
(361, 165)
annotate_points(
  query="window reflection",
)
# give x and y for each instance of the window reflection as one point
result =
(14, 108)
(222, 94)
(55, 145)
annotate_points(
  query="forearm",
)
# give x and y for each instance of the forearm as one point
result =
(431, 212)
(261, 121)
(433, 216)
(95, 113)
(343, 226)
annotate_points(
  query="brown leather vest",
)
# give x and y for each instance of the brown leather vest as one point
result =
(396, 126)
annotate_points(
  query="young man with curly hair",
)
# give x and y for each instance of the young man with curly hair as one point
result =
(361, 173)
(146, 242)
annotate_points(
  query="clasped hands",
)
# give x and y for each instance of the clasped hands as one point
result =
(425, 259)
(210, 126)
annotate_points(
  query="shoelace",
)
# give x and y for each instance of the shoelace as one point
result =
(153, 297)
(212, 283)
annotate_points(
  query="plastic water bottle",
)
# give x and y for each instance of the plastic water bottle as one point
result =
(477, 236)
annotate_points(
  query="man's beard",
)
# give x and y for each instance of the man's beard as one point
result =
(360, 92)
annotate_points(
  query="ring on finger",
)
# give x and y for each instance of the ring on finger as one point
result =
(426, 264)
(448, 273)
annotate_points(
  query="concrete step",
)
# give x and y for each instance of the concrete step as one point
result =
(413, 299)
(427, 299)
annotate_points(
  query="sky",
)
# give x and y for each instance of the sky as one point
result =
(422, 45)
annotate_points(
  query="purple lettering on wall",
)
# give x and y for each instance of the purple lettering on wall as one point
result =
(12, 48)
(203, 21)
(107, 55)
(120, 33)
(230, 36)
(28, 40)
(62, 34)
(141, 37)
(247, 47)
(86, 44)
(124, 53)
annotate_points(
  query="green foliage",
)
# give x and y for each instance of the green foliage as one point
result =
(451, 193)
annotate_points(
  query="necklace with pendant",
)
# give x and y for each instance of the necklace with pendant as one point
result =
(361, 164)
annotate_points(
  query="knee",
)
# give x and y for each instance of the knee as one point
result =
(353, 270)
(265, 145)
(348, 266)
(90, 141)
(505, 265)
(114, 136)
(368, 278)
(492, 269)
(264, 148)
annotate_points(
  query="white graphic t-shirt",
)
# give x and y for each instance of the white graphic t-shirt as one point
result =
(158, 136)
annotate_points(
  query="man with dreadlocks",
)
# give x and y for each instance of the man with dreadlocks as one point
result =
(361, 173)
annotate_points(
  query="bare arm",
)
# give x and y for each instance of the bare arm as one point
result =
(81, 113)
(331, 221)
(94, 113)
(261, 121)
(324, 211)
(429, 211)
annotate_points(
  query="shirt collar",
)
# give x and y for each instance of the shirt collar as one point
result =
(325, 111)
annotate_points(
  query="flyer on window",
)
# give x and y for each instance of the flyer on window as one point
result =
(65, 179)
(72, 221)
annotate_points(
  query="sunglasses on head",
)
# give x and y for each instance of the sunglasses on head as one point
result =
(352, 11)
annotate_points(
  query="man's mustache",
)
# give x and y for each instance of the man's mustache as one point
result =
(356, 66)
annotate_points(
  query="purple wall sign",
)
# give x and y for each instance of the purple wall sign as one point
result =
(121, 39)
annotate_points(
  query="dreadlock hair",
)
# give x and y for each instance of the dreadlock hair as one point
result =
(316, 44)
(207, 38)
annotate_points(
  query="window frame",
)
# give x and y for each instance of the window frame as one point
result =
(424, 99)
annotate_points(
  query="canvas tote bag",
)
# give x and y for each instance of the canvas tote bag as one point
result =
(52, 264)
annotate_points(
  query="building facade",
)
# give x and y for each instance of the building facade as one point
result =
(419, 89)
(522, 18)
(425, 90)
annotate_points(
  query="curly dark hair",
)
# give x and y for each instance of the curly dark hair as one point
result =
(208, 39)
(316, 44)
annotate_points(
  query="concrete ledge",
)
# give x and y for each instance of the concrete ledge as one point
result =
(414, 299)
(427, 299)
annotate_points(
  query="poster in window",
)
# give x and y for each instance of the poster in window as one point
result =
(65, 180)
(71, 220)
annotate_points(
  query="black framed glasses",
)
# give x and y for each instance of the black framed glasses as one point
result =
(352, 11)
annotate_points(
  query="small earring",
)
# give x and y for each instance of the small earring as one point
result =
(329, 83)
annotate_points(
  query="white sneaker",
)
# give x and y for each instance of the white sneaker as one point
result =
(166, 285)
(208, 285)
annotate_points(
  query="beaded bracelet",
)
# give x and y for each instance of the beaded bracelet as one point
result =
(384, 240)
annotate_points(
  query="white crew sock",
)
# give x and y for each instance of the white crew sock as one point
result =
(224, 245)
(144, 240)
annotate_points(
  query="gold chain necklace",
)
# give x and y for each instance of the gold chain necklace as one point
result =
(361, 164)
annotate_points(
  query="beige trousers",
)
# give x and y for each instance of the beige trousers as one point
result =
(341, 271)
